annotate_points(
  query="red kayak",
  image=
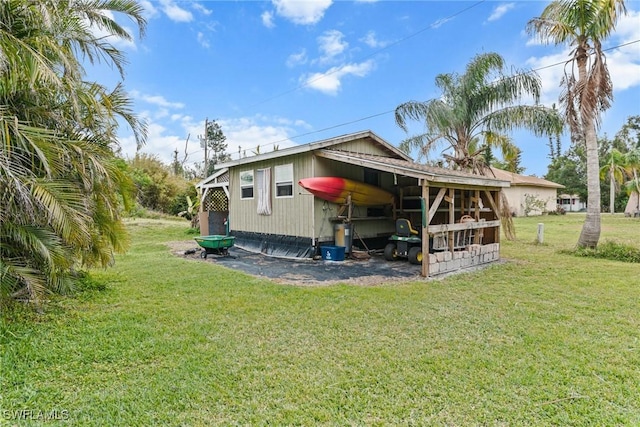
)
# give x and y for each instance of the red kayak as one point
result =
(336, 190)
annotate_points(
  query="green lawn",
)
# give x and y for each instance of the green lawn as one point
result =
(543, 339)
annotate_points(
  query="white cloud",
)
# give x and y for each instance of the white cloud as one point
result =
(372, 41)
(297, 58)
(157, 100)
(302, 12)
(331, 81)
(175, 12)
(244, 135)
(200, 8)
(267, 19)
(202, 39)
(499, 11)
(440, 22)
(628, 27)
(331, 44)
(150, 11)
(248, 135)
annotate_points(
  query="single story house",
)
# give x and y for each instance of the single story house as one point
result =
(267, 211)
(529, 195)
(571, 203)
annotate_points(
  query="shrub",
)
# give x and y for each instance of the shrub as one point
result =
(610, 250)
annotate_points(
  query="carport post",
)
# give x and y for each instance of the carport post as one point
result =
(425, 229)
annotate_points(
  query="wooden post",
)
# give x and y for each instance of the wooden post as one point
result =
(497, 199)
(425, 230)
(452, 217)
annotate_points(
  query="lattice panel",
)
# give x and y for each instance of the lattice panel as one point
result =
(216, 200)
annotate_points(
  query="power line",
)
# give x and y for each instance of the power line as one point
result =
(362, 58)
(392, 111)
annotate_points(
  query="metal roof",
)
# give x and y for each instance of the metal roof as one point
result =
(298, 149)
(412, 169)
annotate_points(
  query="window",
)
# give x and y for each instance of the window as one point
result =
(246, 185)
(284, 180)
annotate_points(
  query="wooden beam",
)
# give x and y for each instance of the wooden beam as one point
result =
(425, 230)
(452, 217)
(492, 203)
(497, 202)
(436, 204)
(203, 194)
(440, 228)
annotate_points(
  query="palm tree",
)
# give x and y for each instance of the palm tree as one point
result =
(616, 169)
(60, 184)
(476, 110)
(583, 24)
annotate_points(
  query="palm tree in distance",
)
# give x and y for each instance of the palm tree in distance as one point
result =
(616, 168)
(477, 109)
(583, 24)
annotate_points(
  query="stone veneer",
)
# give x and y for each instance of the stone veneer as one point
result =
(446, 262)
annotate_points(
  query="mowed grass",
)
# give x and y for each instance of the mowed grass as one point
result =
(541, 339)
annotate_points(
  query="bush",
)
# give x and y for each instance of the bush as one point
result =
(559, 211)
(610, 250)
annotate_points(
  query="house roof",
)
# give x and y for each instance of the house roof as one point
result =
(523, 180)
(298, 149)
(412, 169)
(213, 180)
(397, 162)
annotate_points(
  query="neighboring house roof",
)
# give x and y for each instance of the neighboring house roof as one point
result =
(409, 168)
(298, 149)
(523, 180)
(568, 196)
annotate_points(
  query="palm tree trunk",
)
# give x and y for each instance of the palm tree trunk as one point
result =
(590, 234)
(612, 190)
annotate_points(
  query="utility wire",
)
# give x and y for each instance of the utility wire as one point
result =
(391, 111)
(362, 58)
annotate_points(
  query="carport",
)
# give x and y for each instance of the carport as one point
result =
(458, 211)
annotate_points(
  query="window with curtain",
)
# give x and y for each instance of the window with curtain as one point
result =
(284, 180)
(263, 187)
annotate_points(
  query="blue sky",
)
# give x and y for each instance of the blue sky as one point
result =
(286, 72)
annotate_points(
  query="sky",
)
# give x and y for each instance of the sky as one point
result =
(278, 73)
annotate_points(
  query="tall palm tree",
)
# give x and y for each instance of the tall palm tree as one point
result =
(60, 186)
(477, 109)
(583, 24)
(616, 169)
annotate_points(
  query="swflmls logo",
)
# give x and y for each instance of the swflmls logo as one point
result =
(34, 415)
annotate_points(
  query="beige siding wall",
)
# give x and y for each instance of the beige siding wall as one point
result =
(363, 146)
(516, 197)
(304, 215)
(291, 216)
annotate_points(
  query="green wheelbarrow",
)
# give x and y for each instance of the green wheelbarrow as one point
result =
(215, 245)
